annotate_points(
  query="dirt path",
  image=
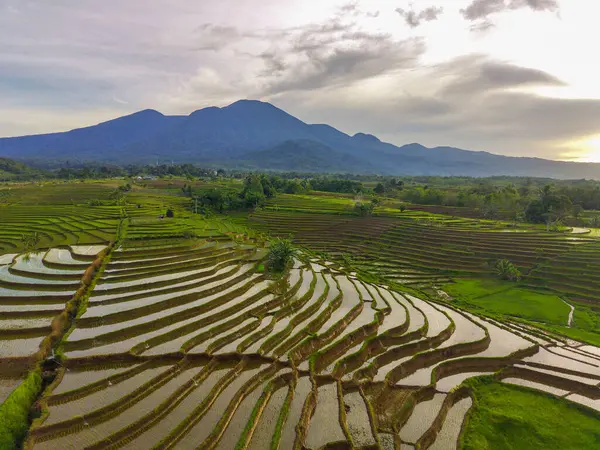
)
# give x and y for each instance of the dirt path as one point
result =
(570, 320)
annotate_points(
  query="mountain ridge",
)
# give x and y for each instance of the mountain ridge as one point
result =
(235, 135)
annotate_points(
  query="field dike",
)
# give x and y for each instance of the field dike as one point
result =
(231, 358)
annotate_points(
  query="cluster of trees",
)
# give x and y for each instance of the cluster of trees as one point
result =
(332, 184)
(551, 207)
(11, 170)
(546, 204)
(255, 192)
(95, 171)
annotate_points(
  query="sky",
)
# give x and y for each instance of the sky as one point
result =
(513, 77)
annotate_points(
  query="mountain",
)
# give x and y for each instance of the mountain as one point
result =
(302, 155)
(258, 135)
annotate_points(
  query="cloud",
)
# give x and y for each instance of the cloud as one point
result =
(216, 37)
(483, 26)
(482, 9)
(312, 56)
(474, 74)
(413, 18)
(339, 54)
(352, 9)
(472, 102)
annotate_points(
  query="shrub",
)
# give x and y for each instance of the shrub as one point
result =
(281, 254)
(507, 270)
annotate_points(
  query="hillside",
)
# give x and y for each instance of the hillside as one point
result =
(15, 170)
(235, 135)
(304, 155)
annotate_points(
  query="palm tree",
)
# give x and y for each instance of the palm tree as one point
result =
(507, 270)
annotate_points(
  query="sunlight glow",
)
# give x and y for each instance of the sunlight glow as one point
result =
(585, 150)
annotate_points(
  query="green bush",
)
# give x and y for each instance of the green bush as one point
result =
(281, 254)
(14, 412)
(507, 270)
(363, 209)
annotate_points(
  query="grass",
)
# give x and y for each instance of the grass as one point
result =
(508, 299)
(14, 412)
(514, 417)
(585, 327)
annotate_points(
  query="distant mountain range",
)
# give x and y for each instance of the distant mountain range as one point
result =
(251, 134)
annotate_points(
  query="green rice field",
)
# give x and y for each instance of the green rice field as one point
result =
(125, 328)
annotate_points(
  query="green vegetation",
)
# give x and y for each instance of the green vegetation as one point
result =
(175, 323)
(11, 170)
(281, 254)
(514, 417)
(504, 298)
(14, 412)
(507, 270)
(364, 209)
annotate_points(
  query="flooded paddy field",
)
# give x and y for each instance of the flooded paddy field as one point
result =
(195, 346)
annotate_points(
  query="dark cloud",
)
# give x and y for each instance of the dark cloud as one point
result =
(274, 64)
(476, 74)
(413, 18)
(215, 37)
(481, 9)
(345, 61)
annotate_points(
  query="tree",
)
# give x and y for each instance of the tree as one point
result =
(379, 189)
(281, 254)
(118, 195)
(254, 192)
(577, 211)
(364, 209)
(507, 270)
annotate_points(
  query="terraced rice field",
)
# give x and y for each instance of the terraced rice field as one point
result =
(187, 344)
(33, 290)
(56, 225)
(409, 251)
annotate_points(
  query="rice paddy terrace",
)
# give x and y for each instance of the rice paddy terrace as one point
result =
(187, 344)
(412, 247)
(170, 334)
